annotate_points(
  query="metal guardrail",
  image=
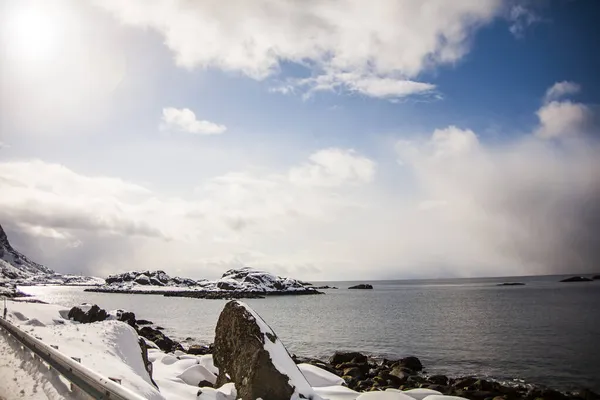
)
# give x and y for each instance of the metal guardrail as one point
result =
(89, 381)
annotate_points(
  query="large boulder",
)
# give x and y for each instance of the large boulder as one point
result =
(340, 357)
(248, 353)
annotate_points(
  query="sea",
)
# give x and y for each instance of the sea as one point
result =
(544, 332)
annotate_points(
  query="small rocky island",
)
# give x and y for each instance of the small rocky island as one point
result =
(362, 286)
(236, 283)
(511, 284)
(577, 279)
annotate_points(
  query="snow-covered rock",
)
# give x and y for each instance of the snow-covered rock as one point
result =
(239, 282)
(248, 352)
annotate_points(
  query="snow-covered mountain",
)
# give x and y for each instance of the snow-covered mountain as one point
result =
(15, 268)
(239, 280)
(14, 265)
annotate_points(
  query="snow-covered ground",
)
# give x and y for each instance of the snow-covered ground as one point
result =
(111, 349)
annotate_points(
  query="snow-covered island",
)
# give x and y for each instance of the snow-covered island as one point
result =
(242, 282)
(17, 269)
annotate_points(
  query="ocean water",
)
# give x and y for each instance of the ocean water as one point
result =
(545, 332)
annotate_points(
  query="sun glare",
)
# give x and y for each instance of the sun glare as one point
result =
(33, 33)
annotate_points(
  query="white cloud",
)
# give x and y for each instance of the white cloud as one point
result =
(184, 120)
(521, 18)
(334, 167)
(560, 90)
(562, 119)
(383, 46)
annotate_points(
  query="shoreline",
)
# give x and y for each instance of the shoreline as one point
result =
(208, 294)
(363, 372)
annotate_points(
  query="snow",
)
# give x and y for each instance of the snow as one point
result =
(336, 393)
(421, 393)
(444, 397)
(318, 377)
(282, 360)
(109, 348)
(386, 395)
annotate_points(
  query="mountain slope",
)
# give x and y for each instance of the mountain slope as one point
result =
(14, 265)
(15, 268)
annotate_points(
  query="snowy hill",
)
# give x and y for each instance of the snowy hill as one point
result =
(15, 268)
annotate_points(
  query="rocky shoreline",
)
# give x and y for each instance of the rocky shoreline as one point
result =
(362, 372)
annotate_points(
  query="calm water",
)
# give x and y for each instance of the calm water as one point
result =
(545, 332)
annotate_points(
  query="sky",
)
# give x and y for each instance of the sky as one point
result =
(321, 140)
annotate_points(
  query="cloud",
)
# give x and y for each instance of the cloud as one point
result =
(184, 120)
(333, 167)
(521, 18)
(389, 44)
(563, 118)
(520, 208)
(369, 85)
(560, 90)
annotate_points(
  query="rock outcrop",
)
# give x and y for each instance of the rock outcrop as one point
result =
(234, 284)
(93, 314)
(248, 352)
(362, 286)
(577, 279)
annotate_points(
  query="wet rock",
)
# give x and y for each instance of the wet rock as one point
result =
(354, 372)
(240, 352)
(511, 284)
(144, 322)
(345, 357)
(362, 286)
(438, 379)
(412, 363)
(400, 374)
(198, 350)
(462, 383)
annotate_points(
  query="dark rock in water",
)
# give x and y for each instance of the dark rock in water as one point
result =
(144, 322)
(511, 284)
(412, 363)
(163, 342)
(354, 372)
(596, 277)
(240, 352)
(198, 350)
(585, 394)
(577, 279)
(362, 286)
(462, 383)
(400, 374)
(324, 287)
(94, 314)
(344, 357)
